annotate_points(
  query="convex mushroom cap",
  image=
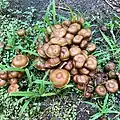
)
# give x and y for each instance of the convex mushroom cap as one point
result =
(112, 85)
(2, 82)
(74, 50)
(20, 61)
(109, 66)
(60, 78)
(13, 88)
(101, 90)
(3, 75)
(91, 47)
(21, 32)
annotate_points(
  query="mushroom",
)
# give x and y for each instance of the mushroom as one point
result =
(77, 39)
(79, 60)
(13, 74)
(112, 86)
(81, 79)
(74, 71)
(83, 44)
(52, 62)
(20, 61)
(112, 74)
(85, 53)
(77, 25)
(69, 65)
(58, 26)
(69, 38)
(13, 88)
(91, 63)
(41, 52)
(3, 75)
(73, 29)
(1, 44)
(2, 82)
(60, 78)
(101, 90)
(50, 29)
(84, 71)
(39, 64)
(66, 23)
(59, 32)
(13, 81)
(53, 51)
(109, 66)
(21, 32)
(90, 47)
(89, 88)
(64, 54)
(87, 95)
(86, 33)
(58, 41)
(81, 20)
(74, 50)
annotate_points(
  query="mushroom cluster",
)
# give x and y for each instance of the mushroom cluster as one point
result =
(108, 80)
(13, 77)
(67, 52)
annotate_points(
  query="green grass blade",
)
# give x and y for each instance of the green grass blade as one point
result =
(14, 69)
(54, 12)
(105, 101)
(48, 94)
(96, 116)
(30, 52)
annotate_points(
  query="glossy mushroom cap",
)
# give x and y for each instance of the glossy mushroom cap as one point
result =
(91, 47)
(109, 66)
(74, 71)
(84, 71)
(41, 52)
(112, 74)
(60, 78)
(77, 39)
(20, 61)
(13, 74)
(3, 75)
(13, 81)
(53, 51)
(91, 63)
(83, 44)
(52, 62)
(21, 32)
(74, 50)
(112, 86)
(2, 82)
(86, 33)
(64, 54)
(39, 64)
(81, 20)
(73, 29)
(69, 38)
(69, 65)
(101, 90)
(79, 61)
(66, 23)
(13, 88)
(58, 41)
(87, 95)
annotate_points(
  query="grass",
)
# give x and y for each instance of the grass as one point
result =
(34, 100)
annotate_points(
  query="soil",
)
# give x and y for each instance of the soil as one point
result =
(86, 7)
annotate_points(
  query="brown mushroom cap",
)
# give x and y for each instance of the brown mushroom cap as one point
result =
(86, 33)
(2, 82)
(73, 29)
(83, 44)
(1, 44)
(112, 85)
(80, 87)
(69, 38)
(84, 71)
(13, 74)
(3, 75)
(69, 65)
(112, 74)
(79, 60)
(52, 62)
(59, 32)
(58, 41)
(53, 51)
(77, 25)
(60, 78)
(90, 47)
(87, 95)
(81, 79)
(21, 32)
(100, 90)
(81, 20)
(13, 88)
(41, 52)
(74, 71)
(66, 23)
(77, 39)
(39, 64)
(85, 53)
(64, 54)
(74, 50)
(20, 61)
(13, 81)
(109, 66)
(91, 63)
(58, 26)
